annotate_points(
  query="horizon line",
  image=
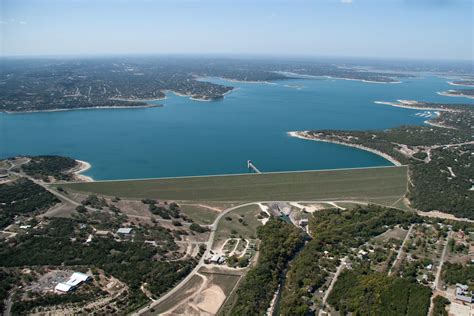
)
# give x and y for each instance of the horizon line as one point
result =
(227, 56)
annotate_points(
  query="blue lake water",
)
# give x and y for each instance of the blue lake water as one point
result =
(188, 137)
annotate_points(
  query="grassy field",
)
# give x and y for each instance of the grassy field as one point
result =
(230, 226)
(381, 185)
(200, 215)
(4, 164)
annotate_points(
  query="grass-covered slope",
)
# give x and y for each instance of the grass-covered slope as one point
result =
(381, 185)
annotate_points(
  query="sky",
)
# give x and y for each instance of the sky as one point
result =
(412, 29)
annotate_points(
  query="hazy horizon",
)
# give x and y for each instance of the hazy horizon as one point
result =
(394, 29)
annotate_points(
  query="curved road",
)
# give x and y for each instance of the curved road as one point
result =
(209, 243)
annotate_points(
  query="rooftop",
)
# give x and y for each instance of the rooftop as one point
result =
(124, 230)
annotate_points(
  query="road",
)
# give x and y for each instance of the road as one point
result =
(200, 264)
(210, 241)
(333, 281)
(436, 284)
(400, 251)
(441, 262)
(60, 196)
(9, 303)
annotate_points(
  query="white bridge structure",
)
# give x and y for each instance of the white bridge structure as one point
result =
(252, 167)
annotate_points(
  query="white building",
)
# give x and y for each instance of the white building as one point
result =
(217, 259)
(303, 222)
(76, 279)
(63, 287)
(463, 293)
(125, 230)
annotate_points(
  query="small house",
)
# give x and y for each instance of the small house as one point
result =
(463, 293)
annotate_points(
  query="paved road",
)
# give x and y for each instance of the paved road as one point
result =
(209, 243)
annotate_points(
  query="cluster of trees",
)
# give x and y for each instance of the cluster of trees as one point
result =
(373, 293)
(22, 197)
(279, 243)
(439, 306)
(100, 220)
(198, 228)
(134, 263)
(334, 231)
(95, 202)
(42, 167)
(234, 261)
(457, 273)
(166, 211)
(434, 188)
(86, 293)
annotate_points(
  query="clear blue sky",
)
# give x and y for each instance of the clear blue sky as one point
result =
(426, 29)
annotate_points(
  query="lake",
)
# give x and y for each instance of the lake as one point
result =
(187, 137)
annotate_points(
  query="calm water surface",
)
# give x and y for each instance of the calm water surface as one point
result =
(188, 137)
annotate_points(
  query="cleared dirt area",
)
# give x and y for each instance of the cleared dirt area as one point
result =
(208, 296)
(63, 209)
(189, 289)
(396, 233)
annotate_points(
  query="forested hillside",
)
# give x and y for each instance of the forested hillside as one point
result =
(279, 242)
(371, 293)
(335, 232)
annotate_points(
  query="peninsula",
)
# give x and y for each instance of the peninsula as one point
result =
(465, 83)
(439, 156)
(468, 93)
(45, 85)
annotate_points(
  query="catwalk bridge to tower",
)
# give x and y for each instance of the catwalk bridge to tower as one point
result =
(252, 167)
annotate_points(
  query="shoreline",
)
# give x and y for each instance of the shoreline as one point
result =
(302, 76)
(193, 98)
(237, 81)
(447, 94)
(437, 124)
(83, 166)
(201, 100)
(363, 80)
(138, 100)
(302, 135)
(451, 83)
(405, 104)
(86, 108)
